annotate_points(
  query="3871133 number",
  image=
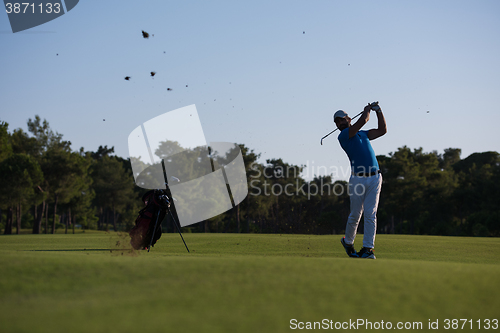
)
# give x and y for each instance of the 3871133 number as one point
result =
(461, 324)
(26, 7)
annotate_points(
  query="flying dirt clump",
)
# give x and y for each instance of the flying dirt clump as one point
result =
(120, 245)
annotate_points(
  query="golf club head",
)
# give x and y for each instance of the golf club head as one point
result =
(327, 135)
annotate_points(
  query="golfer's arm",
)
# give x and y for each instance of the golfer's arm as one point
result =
(365, 116)
(381, 130)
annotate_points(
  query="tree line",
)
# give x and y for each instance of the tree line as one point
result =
(46, 186)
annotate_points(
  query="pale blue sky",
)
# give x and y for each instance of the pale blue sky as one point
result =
(256, 77)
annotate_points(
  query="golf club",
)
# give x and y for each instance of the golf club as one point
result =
(337, 128)
(374, 106)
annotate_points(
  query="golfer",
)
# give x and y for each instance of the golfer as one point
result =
(365, 182)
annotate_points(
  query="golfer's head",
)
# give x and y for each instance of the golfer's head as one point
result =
(342, 120)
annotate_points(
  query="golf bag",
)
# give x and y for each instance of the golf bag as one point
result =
(152, 215)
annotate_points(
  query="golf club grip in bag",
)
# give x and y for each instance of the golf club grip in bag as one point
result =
(142, 232)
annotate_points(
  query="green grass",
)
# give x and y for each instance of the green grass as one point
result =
(91, 282)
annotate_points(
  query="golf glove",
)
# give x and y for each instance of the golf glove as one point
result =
(375, 107)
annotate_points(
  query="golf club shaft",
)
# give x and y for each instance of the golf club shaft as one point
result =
(359, 114)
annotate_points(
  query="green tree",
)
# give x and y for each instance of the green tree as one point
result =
(250, 157)
(114, 189)
(245, 210)
(327, 206)
(65, 173)
(45, 137)
(19, 175)
(403, 185)
(449, 158)
(477, 196)
(5, 145)
(42, 141)
(417, 191)
(5, 151)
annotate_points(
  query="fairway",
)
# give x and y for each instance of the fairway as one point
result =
(91, 282)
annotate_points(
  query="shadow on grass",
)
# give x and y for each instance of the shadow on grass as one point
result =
(118, 251)
(73, 250)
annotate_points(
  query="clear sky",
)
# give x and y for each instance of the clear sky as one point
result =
(268, 74)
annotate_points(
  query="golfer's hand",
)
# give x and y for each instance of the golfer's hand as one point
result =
(367, 108)
(375, 107)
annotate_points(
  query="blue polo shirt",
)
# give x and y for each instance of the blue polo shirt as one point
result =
(359, 150)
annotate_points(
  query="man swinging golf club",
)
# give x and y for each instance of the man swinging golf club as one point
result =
(365, 182)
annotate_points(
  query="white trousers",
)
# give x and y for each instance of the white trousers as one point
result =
(364, 193)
